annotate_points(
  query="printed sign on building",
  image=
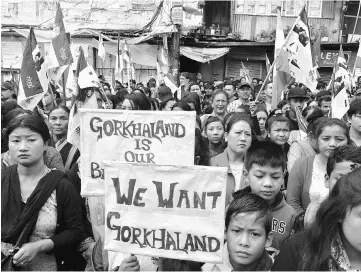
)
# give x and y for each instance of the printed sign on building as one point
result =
(165, 211)
(328, 58)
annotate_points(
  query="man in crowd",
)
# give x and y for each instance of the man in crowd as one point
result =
(7, 92)
(229, 89)
(244, 93)
(297, 97)
(324, 103)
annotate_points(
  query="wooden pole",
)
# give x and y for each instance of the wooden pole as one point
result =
(64, 91)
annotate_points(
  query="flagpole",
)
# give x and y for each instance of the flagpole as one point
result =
(64, 93)
(274, 62)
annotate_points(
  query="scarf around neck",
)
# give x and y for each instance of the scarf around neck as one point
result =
(16, 221)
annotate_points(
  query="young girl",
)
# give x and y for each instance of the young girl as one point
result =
(332, 243)
(262, 116)
(58, 121)
(214, 129)
(239, 138)
(307, 175)
(278, 130)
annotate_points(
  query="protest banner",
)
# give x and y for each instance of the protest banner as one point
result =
(165, 211)
(132, 136)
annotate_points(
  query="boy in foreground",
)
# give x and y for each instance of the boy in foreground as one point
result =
(264, 171)
(248, 231)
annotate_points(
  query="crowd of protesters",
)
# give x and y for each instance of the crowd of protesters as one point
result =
(292, 202)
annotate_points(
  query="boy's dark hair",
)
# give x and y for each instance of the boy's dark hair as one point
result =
(341, 154)
(326, 98)
(355, 108)
(265, 153)
(247, 202)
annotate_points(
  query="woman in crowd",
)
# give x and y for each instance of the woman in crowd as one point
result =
(239, 138)
(219, 102)
(136, 101)
(308, 147)
(181, 106)
(306, 181)
(167, 104)
(38, 204)
(193, 101)
(214, 129)
(332, 242)
(58, 121)
(262, 117)
(52, 157)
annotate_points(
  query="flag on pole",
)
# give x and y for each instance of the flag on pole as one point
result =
(299, 47)
(128, 59)
(101, 49)
(85, 73)
(281, 71)
(58, 54)
(316, 48)
(33, 83)
(341, 83)
(119, 62)
(86, 77)
(268, 64)
(162, 64)
(316, 55)
(248, 77)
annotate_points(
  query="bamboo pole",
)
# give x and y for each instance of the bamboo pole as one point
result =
(64, 92)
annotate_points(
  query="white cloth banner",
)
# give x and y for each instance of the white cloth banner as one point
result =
(132, 136)
(203, 54)
(165, 211)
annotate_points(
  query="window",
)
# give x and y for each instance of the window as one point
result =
(13, 9)
(261, 7)
(315, 9)
(293, 7)
(274, 5)
(269, 7)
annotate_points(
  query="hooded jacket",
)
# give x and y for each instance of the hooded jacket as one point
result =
(283, 218)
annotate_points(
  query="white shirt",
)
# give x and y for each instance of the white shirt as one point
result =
(318, 191)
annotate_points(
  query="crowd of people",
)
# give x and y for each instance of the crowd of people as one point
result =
(293, 202)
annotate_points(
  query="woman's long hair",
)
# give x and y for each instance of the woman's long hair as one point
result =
(319, 237)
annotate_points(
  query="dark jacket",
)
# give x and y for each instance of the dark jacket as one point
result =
(290, 257)
(69, 230)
